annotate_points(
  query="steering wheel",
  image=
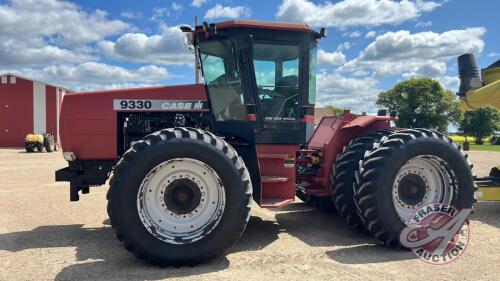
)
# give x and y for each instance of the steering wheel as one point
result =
(287, 109)
(270, 93)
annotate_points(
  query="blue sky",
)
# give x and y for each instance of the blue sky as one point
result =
(371, 44)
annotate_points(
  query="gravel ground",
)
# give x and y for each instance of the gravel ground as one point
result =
(43, 236)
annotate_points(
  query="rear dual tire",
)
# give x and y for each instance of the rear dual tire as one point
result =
(213, 173)
(382, 178)
(343, 176)
(405, 171)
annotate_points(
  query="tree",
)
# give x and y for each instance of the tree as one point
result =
(480, 123)
(421, 103)
(336, 110)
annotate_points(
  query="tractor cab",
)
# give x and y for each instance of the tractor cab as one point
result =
(261, 73)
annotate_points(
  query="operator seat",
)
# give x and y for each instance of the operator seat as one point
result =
(285, 87)
(288, 88)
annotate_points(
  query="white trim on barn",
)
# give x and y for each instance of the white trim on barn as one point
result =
(39, 108)
(59, 94)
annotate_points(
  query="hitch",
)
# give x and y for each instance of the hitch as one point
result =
(81, 174)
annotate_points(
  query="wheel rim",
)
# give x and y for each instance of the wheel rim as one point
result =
(422, 180)
(181, 200)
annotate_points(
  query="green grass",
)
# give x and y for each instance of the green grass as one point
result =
(484, 147)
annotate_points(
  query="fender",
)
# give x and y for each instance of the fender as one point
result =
(330, 137)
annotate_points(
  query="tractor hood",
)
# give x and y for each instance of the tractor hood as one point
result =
(88, 120)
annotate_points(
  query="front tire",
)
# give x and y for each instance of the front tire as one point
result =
(179, 197)
(405, 171)
(29, 148)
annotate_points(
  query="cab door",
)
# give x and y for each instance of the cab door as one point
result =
(274, 71)
(276, 68)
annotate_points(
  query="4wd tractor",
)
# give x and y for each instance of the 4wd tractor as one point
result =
(184, 162)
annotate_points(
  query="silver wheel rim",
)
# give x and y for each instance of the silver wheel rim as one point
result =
(168, 224)
(437, 178)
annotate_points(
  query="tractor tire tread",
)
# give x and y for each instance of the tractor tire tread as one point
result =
(343, 176)
(164, 135)
(371, 167)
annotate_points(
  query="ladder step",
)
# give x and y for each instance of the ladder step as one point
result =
(272, 156)
(275, 203)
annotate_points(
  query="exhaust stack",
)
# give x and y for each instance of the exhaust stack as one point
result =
(468, 73)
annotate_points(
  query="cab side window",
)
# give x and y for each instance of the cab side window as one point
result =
(223, 81)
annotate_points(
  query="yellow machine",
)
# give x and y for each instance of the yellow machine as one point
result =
(37, 142)
(475, 93)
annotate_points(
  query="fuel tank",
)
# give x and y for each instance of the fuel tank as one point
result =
(88, 120)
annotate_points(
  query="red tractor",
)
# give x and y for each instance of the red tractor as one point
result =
(184, 162)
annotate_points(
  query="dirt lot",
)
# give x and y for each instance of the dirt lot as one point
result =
(44, 237)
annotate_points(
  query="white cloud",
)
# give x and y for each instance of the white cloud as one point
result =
(62, 23)
(20, 54)
(353, 12)
(162, 13)
(219, 11)
(449, 82)
(418, 53)
(177, 7)
(167, 48)
(46, 32)
(101, 73)
(370, 34)
(429, 69)
(493, 54)
(131, 15)
(96, 75)
(344, 46)
(424, 24)
(198, 3)
(330, 58)
(357, 94)
(353, 34)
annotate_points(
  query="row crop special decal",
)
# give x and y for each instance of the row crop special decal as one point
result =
(160, 105)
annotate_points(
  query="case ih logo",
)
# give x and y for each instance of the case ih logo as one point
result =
(159, 105)
(437, 233)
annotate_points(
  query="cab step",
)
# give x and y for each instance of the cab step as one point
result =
(274, 179)
(275, 203)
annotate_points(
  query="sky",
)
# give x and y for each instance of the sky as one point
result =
(371, 45)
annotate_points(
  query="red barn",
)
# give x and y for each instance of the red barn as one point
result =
(27, 106)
